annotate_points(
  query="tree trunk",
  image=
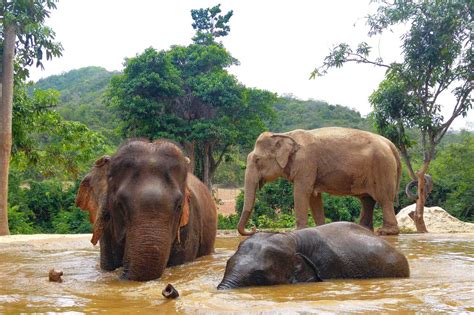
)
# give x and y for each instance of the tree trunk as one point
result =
(190, 150)
(420, 202)
(6, 109)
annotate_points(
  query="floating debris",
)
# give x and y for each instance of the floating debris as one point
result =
(55, 276)
(170, 292)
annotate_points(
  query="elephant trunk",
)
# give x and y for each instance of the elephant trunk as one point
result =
(408, 189)
(146, 252)
(251, 183)
(414, 183)
(227, 284)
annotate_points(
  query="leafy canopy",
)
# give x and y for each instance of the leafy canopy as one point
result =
(35, 40)
(209, 24)
(186, 93)
(437, 58)
(44, 143)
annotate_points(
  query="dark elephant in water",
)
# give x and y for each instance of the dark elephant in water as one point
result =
(148, 211)
(331, 251)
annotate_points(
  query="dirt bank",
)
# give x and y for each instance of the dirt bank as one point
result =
(437, 220)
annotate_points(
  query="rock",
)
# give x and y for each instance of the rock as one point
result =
(55, 276)
(437, 220)
(170, 292)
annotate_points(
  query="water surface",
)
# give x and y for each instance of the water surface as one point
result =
(442, 280)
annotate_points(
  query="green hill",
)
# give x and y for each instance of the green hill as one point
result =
(82, 97)
(297, 114)
(83, 92)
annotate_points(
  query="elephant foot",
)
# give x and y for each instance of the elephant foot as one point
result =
(369, 227)
(124, 277)
(388, 230)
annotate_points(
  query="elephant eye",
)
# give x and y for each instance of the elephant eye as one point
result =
(179, 204)
(259, 278)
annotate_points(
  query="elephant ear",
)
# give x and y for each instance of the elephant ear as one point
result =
(87, 197)
(185, 215)
(184, 220)
(305, 270)
(285, 146)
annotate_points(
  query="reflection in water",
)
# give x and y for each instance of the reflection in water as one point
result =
(442, 280)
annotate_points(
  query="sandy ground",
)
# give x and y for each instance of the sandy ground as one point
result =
(437, 220)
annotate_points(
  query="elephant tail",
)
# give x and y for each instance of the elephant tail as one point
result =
(396, 154)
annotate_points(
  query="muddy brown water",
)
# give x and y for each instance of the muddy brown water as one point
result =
(442, 280)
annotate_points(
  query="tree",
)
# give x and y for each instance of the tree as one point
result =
(44, 143)
(186, 94)
(437, 58)
(209, 24)
(26, 39)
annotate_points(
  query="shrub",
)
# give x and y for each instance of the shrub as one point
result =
(46, 207)
(227, 222)
(20, 222)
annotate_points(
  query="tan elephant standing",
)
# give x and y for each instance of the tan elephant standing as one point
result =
(339, 161)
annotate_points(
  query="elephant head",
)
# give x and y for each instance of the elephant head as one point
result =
(269, 160)
(144, 204)
(267, 259)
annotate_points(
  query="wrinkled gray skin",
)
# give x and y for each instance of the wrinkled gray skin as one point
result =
(331, 251)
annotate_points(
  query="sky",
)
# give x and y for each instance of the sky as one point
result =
(278, 43)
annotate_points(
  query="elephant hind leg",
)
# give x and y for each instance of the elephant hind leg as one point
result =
(367, 212)
(316, 204)
(390, 224)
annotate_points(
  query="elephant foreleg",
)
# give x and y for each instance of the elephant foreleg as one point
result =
(316, 203)
(367, 212)
(302, 196)
(111, 254)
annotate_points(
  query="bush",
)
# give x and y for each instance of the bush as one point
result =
(46, 207)
(20, 222)
(279, 195)
(227, 222)
(73, 220)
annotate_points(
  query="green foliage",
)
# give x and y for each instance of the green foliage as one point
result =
(35, 40)
(437, 51)
(19, 222)
(274, 202)
(453, 172)
(73, 220)
(227, 222)
(82, 99)
(44, 143)
(45, 207)
(186, 94)
(210, 25)
(231, 172)
(392, 111)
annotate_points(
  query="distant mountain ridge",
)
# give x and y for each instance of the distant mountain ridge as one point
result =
(83, 91)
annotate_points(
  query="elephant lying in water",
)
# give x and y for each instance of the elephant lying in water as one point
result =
(331, 251)
(148, 211)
